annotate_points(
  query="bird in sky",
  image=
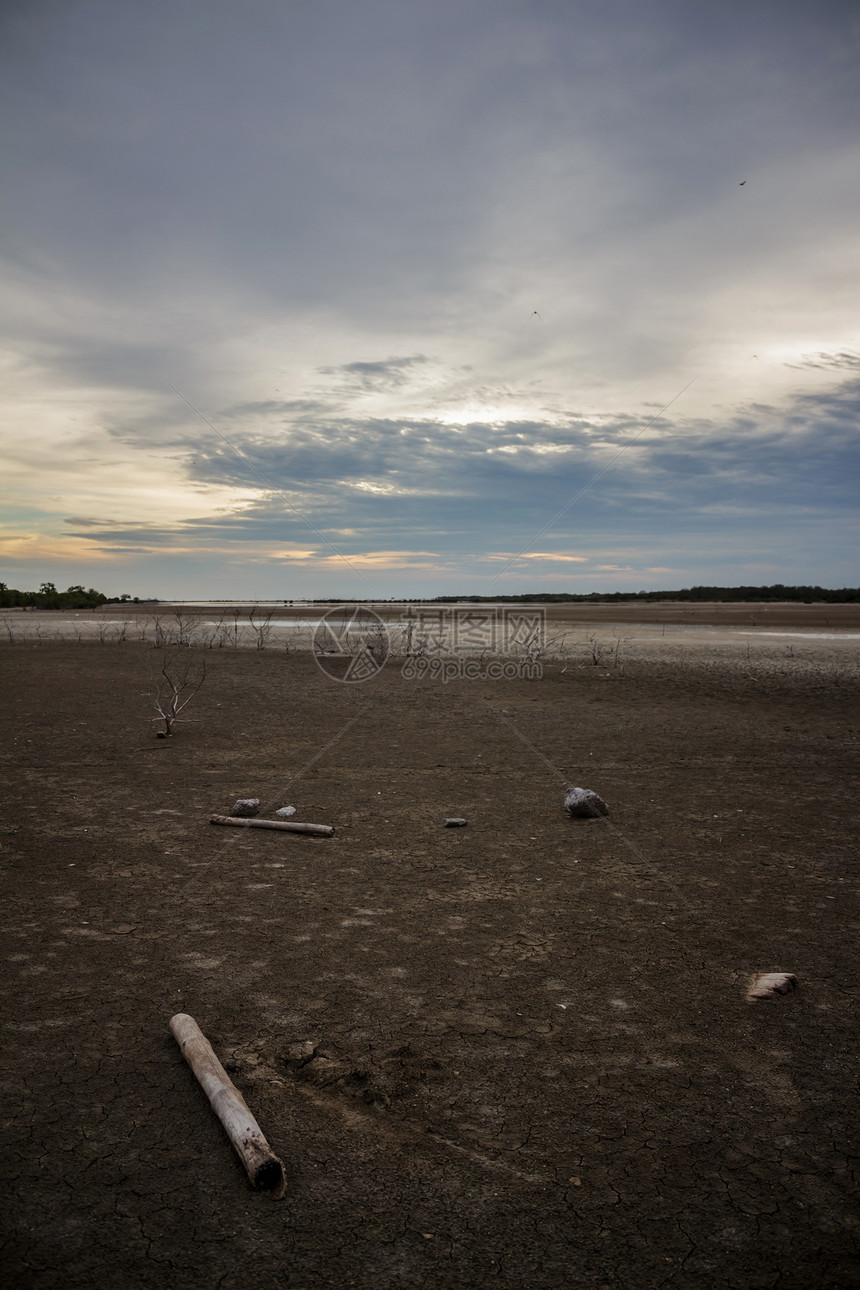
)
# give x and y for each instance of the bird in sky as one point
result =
(741, 184)
(535, 314)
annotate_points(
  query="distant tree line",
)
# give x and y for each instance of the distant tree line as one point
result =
(776, 593)
(47, 597)
(77, 597)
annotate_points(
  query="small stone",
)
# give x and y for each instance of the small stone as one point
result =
(455, 822)
(766, 985)
(285, 812)
(582, 803)
(245, 807)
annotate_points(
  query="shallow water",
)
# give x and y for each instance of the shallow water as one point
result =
(818, 636)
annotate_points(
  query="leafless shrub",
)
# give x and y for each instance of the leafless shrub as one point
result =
(409, 642)
(293, 639)
(595, 647)
(376, 642)
(535, 646)
(181, 677)
(7, 627)
(617, 654)
(261, 627)
(162, 636)
(419, 645)
(228, 633)
(234, 633)
(221, 634)
(178, 630)
(185, 627)
(556, 645)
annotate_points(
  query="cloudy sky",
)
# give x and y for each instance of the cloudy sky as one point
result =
(402, 297)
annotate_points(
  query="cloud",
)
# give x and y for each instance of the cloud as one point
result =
(456, 488)
(844, 361)
(372, 377)
(428, 268)
(550, 557)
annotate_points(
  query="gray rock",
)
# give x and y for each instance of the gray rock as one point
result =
(583, 804)
(766, 985)
(285, 812)
(455, 822)
(245, 807)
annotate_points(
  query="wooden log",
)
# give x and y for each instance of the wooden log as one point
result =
(264, 1168)
(287, 826)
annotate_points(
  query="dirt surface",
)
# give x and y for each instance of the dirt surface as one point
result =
(513, 1054)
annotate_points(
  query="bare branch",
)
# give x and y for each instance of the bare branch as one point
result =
(262, 627)
(181, 677)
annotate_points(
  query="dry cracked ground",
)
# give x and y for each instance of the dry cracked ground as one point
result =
(513, 1054)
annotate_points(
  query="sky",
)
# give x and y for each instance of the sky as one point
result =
(382, 298)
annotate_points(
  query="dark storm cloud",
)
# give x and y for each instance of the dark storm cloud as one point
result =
(356, 151)
(393, 482)
(370, 377)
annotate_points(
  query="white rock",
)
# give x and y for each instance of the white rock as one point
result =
(765, 985)
(582, 803)
(285, 812)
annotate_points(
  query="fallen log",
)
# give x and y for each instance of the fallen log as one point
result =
(264, 1168)
(287, 826)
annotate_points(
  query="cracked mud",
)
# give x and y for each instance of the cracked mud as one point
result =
(517, 1054)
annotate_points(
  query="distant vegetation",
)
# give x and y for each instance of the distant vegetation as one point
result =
(47, 597)
(777, 593)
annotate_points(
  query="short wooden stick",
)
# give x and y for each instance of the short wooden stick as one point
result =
(286, 826)
(264, 1168)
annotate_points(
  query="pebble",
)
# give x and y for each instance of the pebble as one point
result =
(285, 812)
(455, 822)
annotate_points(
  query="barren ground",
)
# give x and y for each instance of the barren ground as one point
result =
(534, 1065)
